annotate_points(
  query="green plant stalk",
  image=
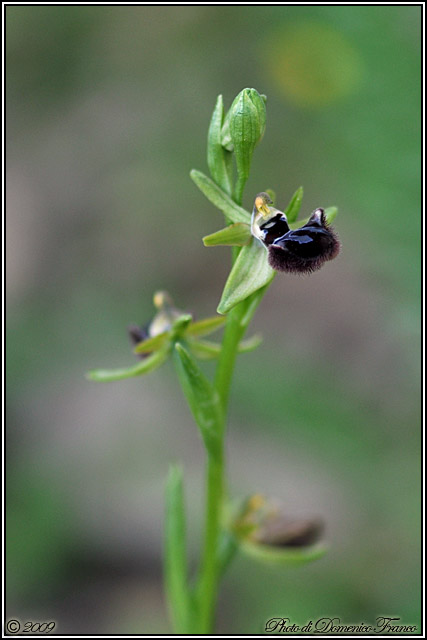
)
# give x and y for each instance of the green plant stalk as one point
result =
(237, 322)
(215, 481)
(210, 572)
(238, 189)
(207, 586)
(233, 333)
(175, 552)
(209, 569)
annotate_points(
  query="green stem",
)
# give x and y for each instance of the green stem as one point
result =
(238, 189)
(213, 564)
(209, 570)
(233, 333)
(175, 566)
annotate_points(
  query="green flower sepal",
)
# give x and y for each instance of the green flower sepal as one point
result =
(155, 342)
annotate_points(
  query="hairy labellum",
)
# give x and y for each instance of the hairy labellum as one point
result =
(306, 249)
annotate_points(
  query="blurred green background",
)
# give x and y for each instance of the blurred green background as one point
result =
(107, 111)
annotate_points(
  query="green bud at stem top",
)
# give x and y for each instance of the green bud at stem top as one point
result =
(243, 128)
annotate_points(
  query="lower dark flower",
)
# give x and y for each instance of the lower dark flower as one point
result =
(280, 531)
(266, 532)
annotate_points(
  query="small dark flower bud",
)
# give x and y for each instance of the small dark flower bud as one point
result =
(306, 249)
(280, 531)
(162, 321)
(138, 334)
(265, 524)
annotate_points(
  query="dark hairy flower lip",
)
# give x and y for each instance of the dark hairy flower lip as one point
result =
(306, 249)
(301, 250)
(282, 259)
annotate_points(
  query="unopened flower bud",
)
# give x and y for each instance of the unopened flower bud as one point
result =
(247, 118)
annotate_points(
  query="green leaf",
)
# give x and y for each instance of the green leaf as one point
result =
(145, 366)
(219, 159)
(226, 141)
(284, 556)
(237, 234)
(219, 198)
(151, 344)
(294, 206)
(250, 344)
(250, 272)
(175, 563)
(206, 326)
(201, 396)
(207, 350)
(204, 349)
(330, 214)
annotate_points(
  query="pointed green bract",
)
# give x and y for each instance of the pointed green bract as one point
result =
(201, 396)
(175, 564)
(250, 272)
(235, 235)
(206, 326)
(219, 159)
(283, 556)
(145, 366)
(292, 210)
(152, 344)
(219, 198)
